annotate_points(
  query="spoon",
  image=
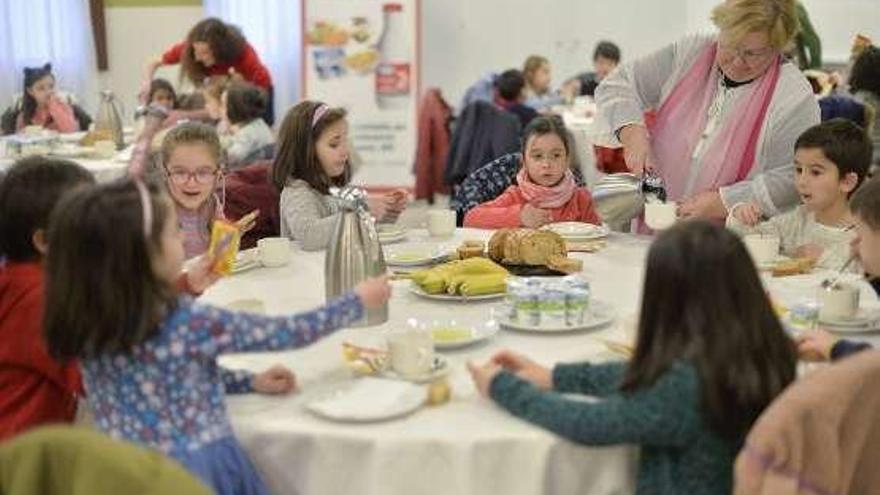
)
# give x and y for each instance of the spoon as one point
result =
(829, 284)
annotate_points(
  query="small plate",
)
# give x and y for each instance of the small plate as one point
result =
(368, 399)
(244, 261)
(577, 231)
(454, 332)
(439, 368)
(866, 320)
(390, 233)
(415, 289)
(414, 255)
(601, 313)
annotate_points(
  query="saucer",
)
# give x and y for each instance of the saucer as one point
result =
(439, 369)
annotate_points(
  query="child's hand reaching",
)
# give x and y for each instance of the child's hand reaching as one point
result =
(815, 345)
(747, 213)
(247, 222)
(525, 368)
(374, 292)
(201, 274)
(276, 380)
(534, 217)
(483, 376)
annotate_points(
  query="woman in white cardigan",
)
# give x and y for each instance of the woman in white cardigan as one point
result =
(728, 109)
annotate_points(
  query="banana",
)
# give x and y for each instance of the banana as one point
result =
(484, 284)
(453, 276)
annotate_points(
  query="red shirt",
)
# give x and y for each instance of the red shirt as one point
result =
(504, 211)
(34, 388)
(248, 65)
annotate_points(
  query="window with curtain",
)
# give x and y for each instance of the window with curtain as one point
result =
(274, 29)
(34, 32)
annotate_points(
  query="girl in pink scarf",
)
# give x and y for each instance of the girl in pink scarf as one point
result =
(545, 191)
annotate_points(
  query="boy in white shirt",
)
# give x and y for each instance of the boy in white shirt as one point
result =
(831, 161)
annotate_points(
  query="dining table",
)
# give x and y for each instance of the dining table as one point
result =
(466, 446)
(103, 168)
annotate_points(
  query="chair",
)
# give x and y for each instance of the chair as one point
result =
(61, 460)
(432, 147)
(845, 107)
(483, 133)
(819, 437)
(250, 188)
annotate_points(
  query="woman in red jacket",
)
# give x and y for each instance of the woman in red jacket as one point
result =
(212, 48)
(545, 190)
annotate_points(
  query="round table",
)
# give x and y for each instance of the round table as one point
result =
(467, 446)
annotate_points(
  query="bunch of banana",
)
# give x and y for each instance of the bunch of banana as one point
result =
(471, 276)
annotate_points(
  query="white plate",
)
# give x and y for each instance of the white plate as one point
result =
(73, 151)
(415, 254)
(600, 314)
(577, 231)
(439, 368)
(866, 320)
(72, 137)
(391, 233)
(474, 330)
(772, 264)
(415, 289)
(246, 260)
(368, 399)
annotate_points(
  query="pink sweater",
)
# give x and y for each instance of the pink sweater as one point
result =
(504, 211)
(57, 116)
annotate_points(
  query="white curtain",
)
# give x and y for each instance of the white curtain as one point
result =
(273, 27)
(33, 32)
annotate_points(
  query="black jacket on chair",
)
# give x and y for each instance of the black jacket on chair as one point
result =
(482, 133)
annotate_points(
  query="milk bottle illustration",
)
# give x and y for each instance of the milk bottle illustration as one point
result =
(394, 71)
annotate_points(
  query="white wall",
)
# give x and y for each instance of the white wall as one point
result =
(838, 21)
(135, 34)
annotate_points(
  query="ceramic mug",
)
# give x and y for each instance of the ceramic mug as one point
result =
(763, 248)
(274, 251)
(412, 353)
(441, 223)
(838, 302)
(660, 216)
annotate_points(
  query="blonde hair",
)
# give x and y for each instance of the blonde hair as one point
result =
(533, 63)
(192, 133)
(777, 18)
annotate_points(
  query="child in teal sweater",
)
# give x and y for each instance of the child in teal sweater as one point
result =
(710, 356)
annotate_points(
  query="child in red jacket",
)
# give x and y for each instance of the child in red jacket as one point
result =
(545, 190)
(34, 388)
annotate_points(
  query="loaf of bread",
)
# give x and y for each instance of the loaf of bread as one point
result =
(526, 246)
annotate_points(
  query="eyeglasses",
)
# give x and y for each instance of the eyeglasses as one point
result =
(750, 57)
(180, 177)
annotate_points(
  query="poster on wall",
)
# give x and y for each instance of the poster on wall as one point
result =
(363, 55)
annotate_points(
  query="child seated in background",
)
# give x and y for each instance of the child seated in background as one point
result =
(831, 161)
(148, 355)
(710, 355)
(250, 136)
(34, 388)
(545, 189)
(510, 94)
(865, 206)
(41, 105)
(162, 93)
(212, 92)
(313, 156)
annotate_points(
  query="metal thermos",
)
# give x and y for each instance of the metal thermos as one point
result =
(108, 121)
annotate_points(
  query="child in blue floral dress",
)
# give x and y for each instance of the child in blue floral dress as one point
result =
(148, 355)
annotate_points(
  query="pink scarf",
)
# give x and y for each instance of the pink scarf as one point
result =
(546, 197)
(681, 120)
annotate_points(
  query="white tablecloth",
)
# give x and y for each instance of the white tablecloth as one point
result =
(468, 446)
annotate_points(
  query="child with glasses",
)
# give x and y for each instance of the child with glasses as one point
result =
(545, 189)
(192, 160)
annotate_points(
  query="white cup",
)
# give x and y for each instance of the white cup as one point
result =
(412, 353)
(763, 248)
(441, 223)
(838, 302)
(660, 216)
(274, 251)
(105, 148)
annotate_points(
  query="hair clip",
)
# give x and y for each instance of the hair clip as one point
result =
(319, 113)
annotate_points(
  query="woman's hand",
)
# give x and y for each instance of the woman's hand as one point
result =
(534, 217)
(704, 205)
(483, 376)
(815, 345)
(637, 148)
(747, 214)
(278, 379)
(525, 368)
